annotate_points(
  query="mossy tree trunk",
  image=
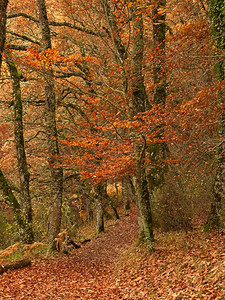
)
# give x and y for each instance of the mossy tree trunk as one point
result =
(157, 152)
(24, 175)
(217, 17)
(140, 104)
(159, 36)
(145, 225)
(11, 200)
(54, 222)
(3, 12)
(4, 186)
(147, 183)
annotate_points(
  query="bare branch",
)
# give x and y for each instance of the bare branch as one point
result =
(53, 23)
(23, 37)
(17, 47)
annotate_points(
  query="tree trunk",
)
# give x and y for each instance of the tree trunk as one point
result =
(89, 211)
(25, 200)
(99, 212)
(217, 16)
(140, 104)
(54, 222)
(11, 200)
(22, 263)
(126, 195)
(157, 152)
(115, 212)
(3, 12)
(145, 226)
(110, 200)
(159, 35)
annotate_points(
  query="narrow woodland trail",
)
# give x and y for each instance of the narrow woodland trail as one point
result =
(184, 266)
(87, 274)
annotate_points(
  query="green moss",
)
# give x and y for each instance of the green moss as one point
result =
(217, 14)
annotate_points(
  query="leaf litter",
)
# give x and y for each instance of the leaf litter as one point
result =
(112, 266)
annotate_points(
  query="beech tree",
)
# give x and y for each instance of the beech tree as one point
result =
(217, 16)
(24, 175)
(140, 104)
(22, 209)
(3, 12)
(117, 98)
(55, 213)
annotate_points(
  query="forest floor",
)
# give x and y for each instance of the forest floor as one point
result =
(112, 266)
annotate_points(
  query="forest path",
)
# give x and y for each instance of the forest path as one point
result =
(87, 274)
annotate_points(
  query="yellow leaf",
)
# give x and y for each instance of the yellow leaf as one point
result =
(160, 12)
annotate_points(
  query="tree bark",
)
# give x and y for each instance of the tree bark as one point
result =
(217, 16)
(3, 12)
(15, 265)
(157, 152)
(125, 196)
(145, 225)
(55, 214)
(11, 200)
(159, 35)
(89, 211)
(140, 103)
(99, 212)
(24, 175)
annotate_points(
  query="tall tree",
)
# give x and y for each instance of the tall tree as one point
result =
(157, 151)
(217, 17)
(24, 175)
(3, 12)
(55, 213)
(140, 104)
(137, 103)
(22, 210)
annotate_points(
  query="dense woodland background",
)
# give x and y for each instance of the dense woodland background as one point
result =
(107, 104)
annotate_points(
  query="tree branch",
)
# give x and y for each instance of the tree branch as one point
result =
(23, 37)
(53, 23)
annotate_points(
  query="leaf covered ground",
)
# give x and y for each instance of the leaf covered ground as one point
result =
(111, 266)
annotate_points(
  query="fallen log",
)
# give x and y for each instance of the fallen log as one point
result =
(15, 265)
(9, 251)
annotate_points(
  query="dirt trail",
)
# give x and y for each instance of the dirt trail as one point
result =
(87, 274)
